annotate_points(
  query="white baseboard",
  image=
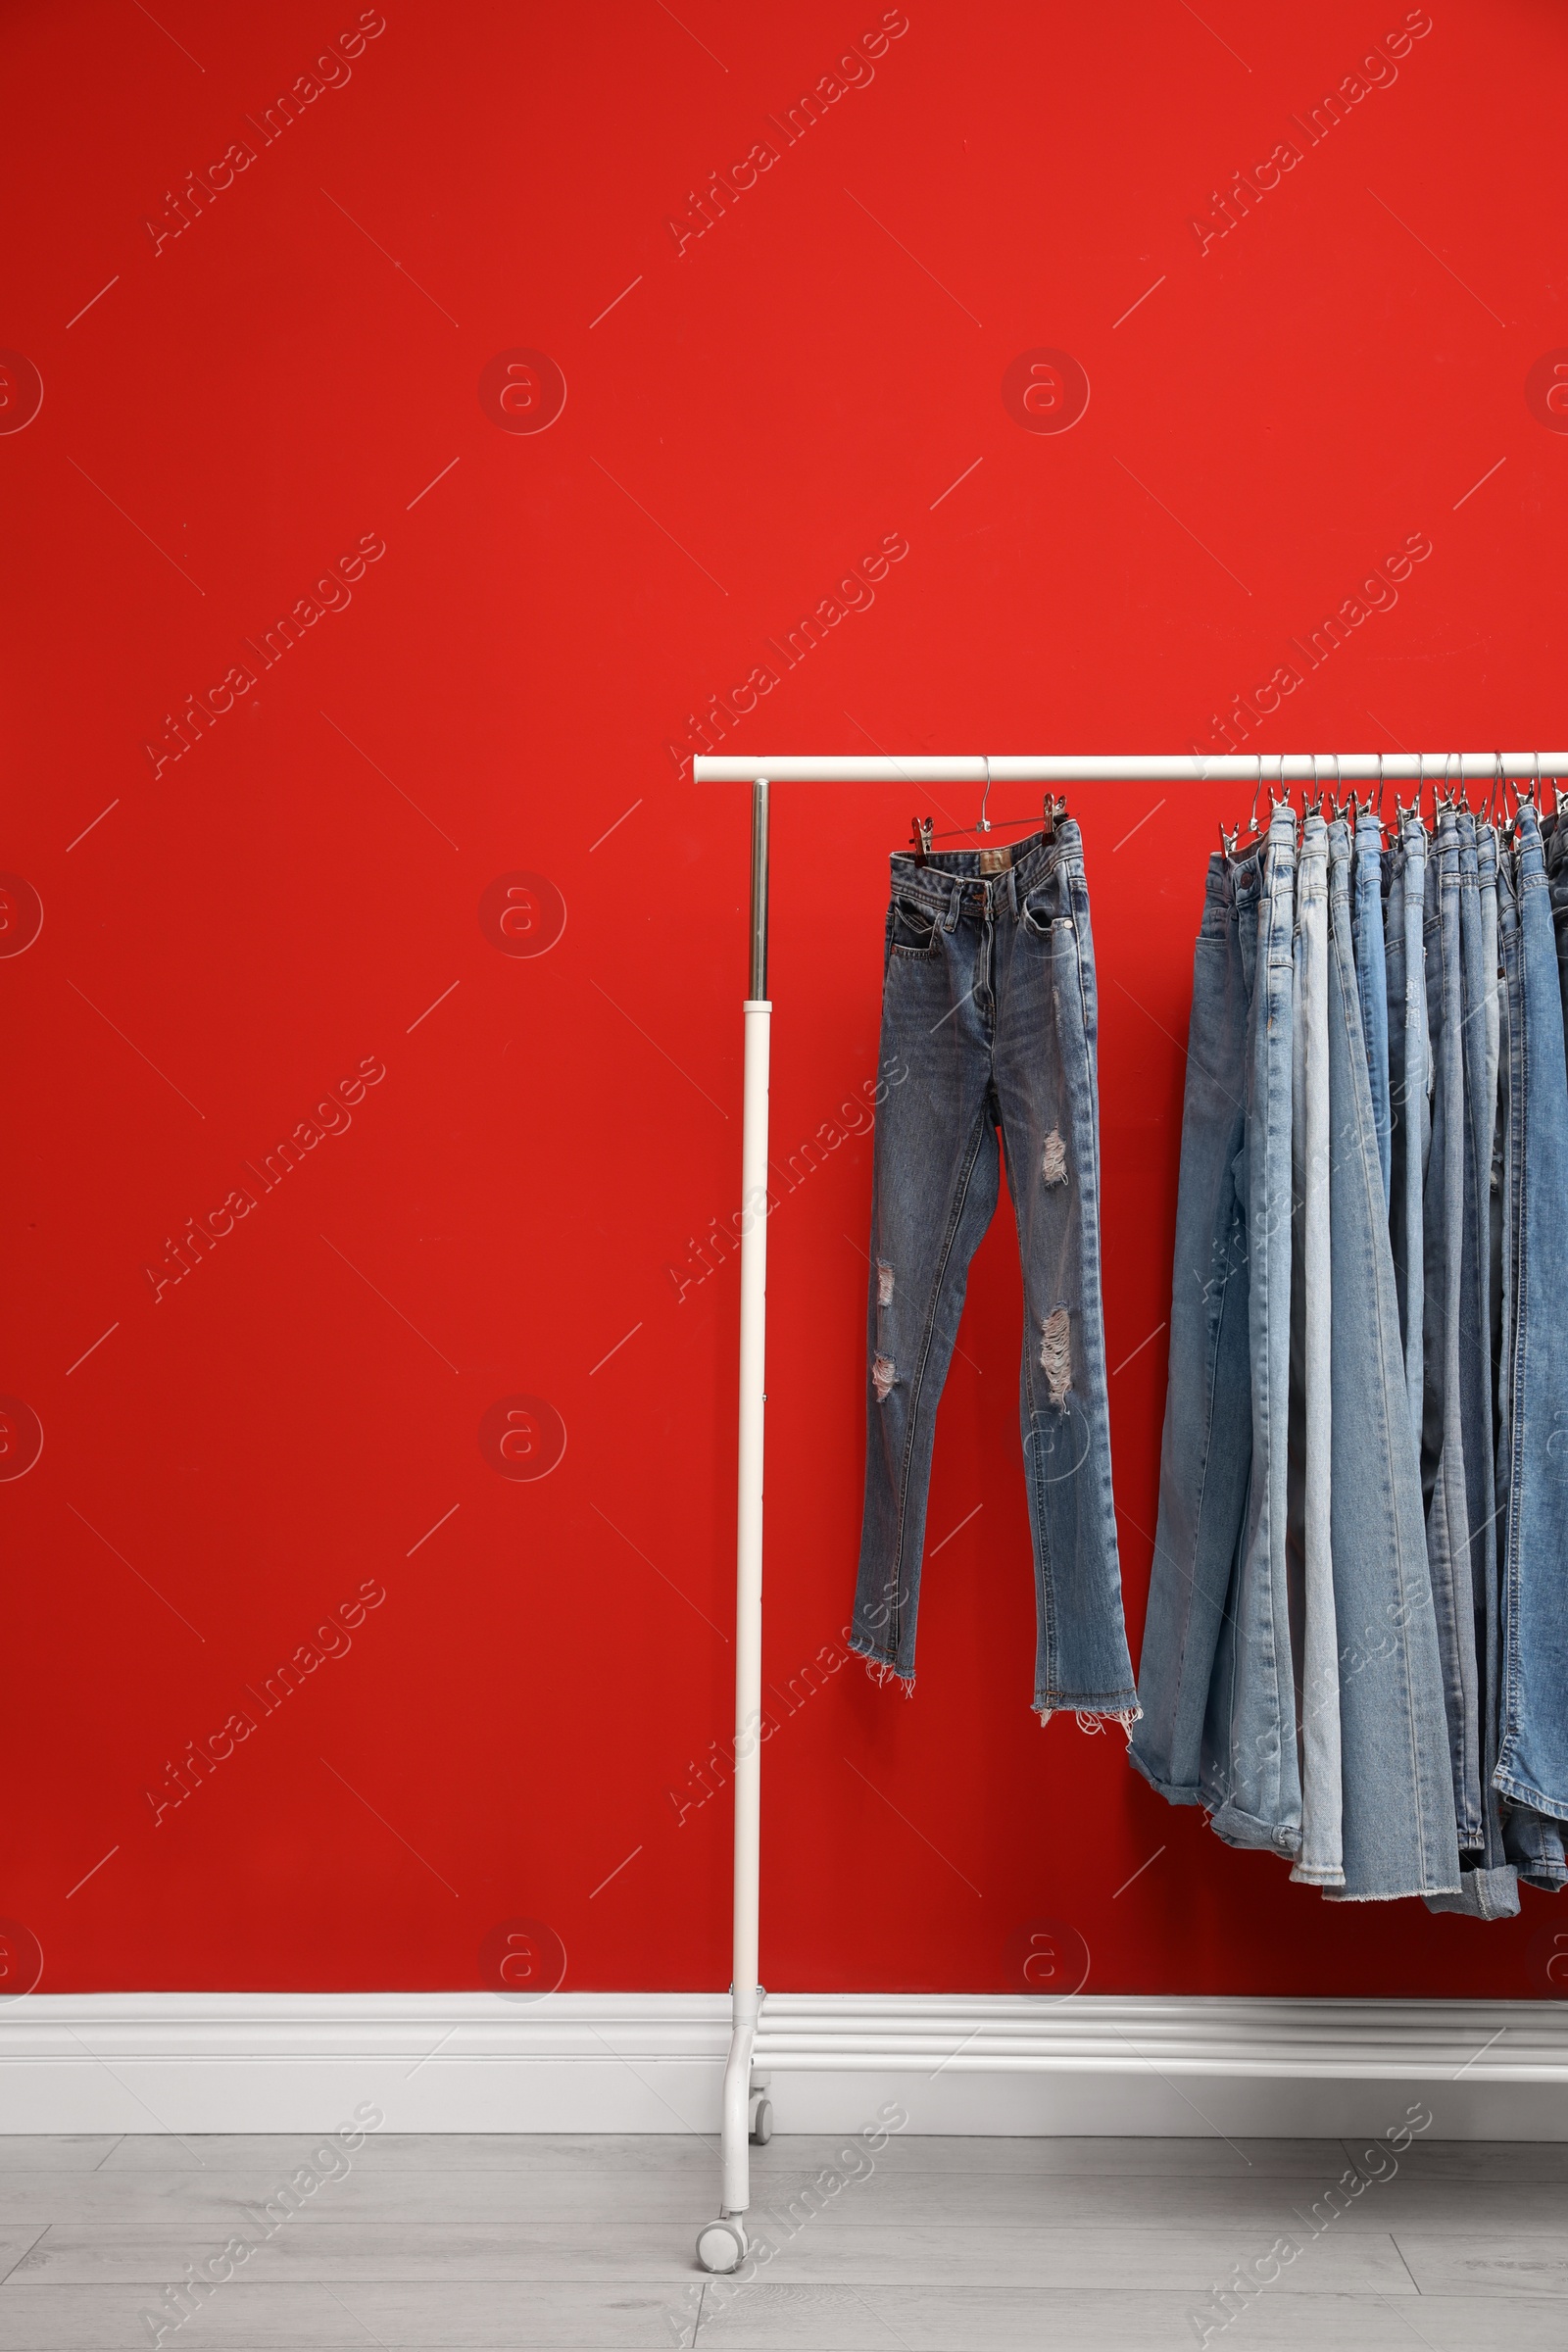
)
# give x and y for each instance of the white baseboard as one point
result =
(652, 2061)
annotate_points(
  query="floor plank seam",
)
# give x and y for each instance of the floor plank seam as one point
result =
(23, 2251)
(1399, 2250)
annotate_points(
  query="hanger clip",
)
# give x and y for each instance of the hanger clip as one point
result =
(920, 838)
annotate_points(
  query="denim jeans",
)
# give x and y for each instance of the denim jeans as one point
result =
(1409, 1087)
(1443, 1450)
(1398, 1821)
(1206, 1448)
(1534, 1845)
(989, 1002)
(1372, 978)
(1249, 1772)
(1532, 1842)
(1313, 1626)
(1554, 848)
(1532, 1463)
(1488, 1888)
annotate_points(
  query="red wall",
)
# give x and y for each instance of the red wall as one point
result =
(316, 887)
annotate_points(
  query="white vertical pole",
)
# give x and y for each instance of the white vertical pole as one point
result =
(749, 1534)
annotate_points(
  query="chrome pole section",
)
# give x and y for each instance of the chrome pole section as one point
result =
(758, 988)
(722, 2245)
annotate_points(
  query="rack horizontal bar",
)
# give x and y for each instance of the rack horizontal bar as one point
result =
(1132, 768)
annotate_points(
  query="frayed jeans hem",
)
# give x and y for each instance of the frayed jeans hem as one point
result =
(1093, 1714)
(879, 1666)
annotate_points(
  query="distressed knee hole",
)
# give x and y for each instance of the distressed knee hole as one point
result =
(1055, 1354)
(1054, 1167)
(884, 1373)
(884, 1282)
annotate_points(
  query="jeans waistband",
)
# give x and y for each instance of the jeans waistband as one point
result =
(950, 882)
(1234, 880)
(1312, 859)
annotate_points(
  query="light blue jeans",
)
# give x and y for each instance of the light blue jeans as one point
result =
(1372, 977)
(1532, 1842)
(1443, 1452)
(1218, 1682)
(1309, 1521)
(1253, 1779)
(1410, 1086)
(1533, 1465)
(1489, 1886)
(1554, 848)
(1399, 1822)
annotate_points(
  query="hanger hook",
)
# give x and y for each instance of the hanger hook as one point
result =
(984, 826)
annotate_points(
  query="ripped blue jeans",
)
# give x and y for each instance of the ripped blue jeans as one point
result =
(989, 1006)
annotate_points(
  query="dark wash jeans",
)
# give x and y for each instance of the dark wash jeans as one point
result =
(989, 1003)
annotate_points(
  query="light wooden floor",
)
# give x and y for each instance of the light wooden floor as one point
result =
(1110, 2245)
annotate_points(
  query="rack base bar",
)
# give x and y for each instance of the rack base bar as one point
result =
(1344, 2039)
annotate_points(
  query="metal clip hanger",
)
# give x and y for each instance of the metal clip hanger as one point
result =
(1314, 805)
(1053, 809)
(1238, 842)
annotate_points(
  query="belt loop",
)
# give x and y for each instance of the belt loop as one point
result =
(950, 921)
(1013, 891)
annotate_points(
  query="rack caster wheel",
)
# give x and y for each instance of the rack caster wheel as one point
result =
(721, 2245)
(761, 2131)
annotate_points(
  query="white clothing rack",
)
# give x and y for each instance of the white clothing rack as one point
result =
(722, 2245)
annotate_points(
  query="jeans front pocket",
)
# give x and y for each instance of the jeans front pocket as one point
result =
(914, 929)
(1044, 908)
